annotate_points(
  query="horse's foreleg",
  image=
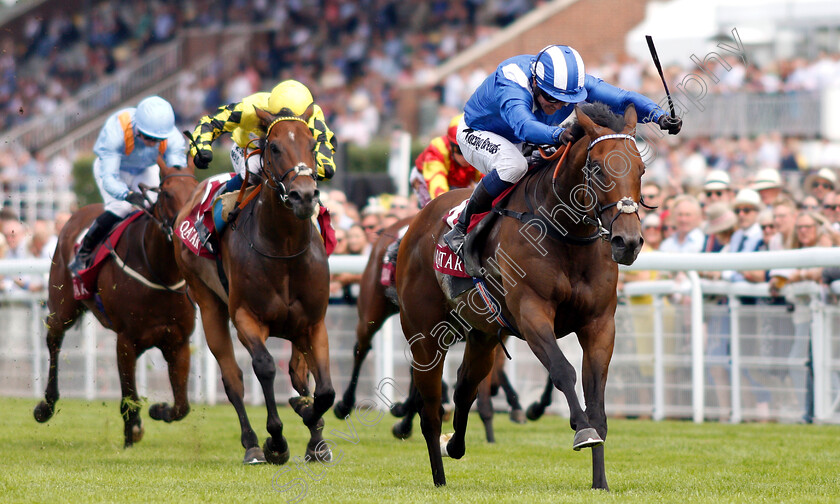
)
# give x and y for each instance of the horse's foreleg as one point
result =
(597, 342)
(253, 333)
(316, 348)
(538, 330)
(130, 405)
(45, 409)
(476, 366)
(214, 319)
(178, 361)
(407, 411)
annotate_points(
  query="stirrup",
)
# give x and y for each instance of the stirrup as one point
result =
(78, 264)
(455, 239)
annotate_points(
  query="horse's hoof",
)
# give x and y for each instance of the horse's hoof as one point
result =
(271, 456)
(341, 409)
(399, 410)
(254, 455)
(444, 440)
(517, 416)
(160, 411)
(323, 455)
(535, 411)
(401, 432)
(137, 432)
(587, 438)
(298, 403)
(43, 411)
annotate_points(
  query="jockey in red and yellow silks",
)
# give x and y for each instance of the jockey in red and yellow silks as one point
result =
(441, 167)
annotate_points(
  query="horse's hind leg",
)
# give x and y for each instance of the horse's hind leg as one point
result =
(130, 405)
(516, 413)
(407, 409)
(485, 408)
(537, 409)
(476, 366)
(178, 360)
(371, 319)
(316, 348)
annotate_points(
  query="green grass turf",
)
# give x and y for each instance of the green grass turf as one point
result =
(78, 457)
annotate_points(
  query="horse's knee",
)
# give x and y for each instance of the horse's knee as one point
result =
(264, 365)
(324, 398)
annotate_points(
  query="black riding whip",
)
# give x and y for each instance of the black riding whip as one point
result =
(659, 68)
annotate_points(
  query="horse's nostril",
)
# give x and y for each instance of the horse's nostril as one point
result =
(618, 242)
(294, 195)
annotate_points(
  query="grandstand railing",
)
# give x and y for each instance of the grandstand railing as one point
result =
(82, 139)
(38, 198)
(160, 63)
(663, 366)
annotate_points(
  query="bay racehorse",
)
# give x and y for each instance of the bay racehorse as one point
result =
(374, 307)
(278, 285)
(143, 300)
(551, 260)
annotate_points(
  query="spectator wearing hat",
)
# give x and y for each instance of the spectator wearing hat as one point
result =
(688, 236)
(746, 206)
(720, 224)
(768, 184)
(820, 183)
(717, 187)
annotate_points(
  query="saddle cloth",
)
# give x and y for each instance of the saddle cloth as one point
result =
(212, 212)
(83, 285)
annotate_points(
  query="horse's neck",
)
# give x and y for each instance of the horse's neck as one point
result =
(560, 200)
(159, 250)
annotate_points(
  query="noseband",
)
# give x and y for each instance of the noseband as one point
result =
(625, 205)
(276, 184)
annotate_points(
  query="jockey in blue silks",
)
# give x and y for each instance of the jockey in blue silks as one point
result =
(127, 150)
(525, 100)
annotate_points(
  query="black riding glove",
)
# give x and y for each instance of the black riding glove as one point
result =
(571, 134)
(136, 199)
(672, 125)
(202, 159)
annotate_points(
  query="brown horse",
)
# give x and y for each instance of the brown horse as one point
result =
(551, 272)
(374, 308)
(278, 277)
(148, 310)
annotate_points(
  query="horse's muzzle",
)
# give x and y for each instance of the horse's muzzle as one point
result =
(303, 202)
(625, 249)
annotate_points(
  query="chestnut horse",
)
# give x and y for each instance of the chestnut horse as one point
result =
(374, 308)
(147, 310)
(276, 266)
(551, 272)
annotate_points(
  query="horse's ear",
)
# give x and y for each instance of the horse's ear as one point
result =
(586, 123)
(630, 117)
(308, 112)
(265, 117)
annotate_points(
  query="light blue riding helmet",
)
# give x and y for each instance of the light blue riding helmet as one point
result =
(559, 72)
(154, 117)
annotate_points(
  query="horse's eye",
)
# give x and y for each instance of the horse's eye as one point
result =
(275, 149)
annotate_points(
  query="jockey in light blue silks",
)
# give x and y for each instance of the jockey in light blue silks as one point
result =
(126, 151)
(525, 100)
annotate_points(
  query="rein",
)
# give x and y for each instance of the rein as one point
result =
(166, 226)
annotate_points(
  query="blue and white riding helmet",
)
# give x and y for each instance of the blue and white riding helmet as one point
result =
(154, 117)
(559, 71)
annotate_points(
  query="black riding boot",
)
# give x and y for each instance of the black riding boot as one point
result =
(480, 201)
(98, 230)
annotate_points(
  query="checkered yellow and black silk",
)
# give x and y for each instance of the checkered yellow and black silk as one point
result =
(240, 119)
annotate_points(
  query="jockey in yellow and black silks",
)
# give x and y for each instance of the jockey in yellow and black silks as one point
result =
(240, 119)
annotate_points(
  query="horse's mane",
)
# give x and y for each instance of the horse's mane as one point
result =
(602, 115)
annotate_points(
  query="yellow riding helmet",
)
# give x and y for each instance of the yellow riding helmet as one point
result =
(292, 95)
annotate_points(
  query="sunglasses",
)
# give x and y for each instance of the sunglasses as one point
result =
(805, 226)
(812, 208)
(744, 210)
(669, 228)
(150, 139)
(547, 97)
(369, 227)
(719, 194)
(650, 195)
(831, 207)
(824, 185)
(765, 227)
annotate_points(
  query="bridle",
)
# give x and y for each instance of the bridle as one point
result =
(272, 181)
(166, 225)
(625, 205)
